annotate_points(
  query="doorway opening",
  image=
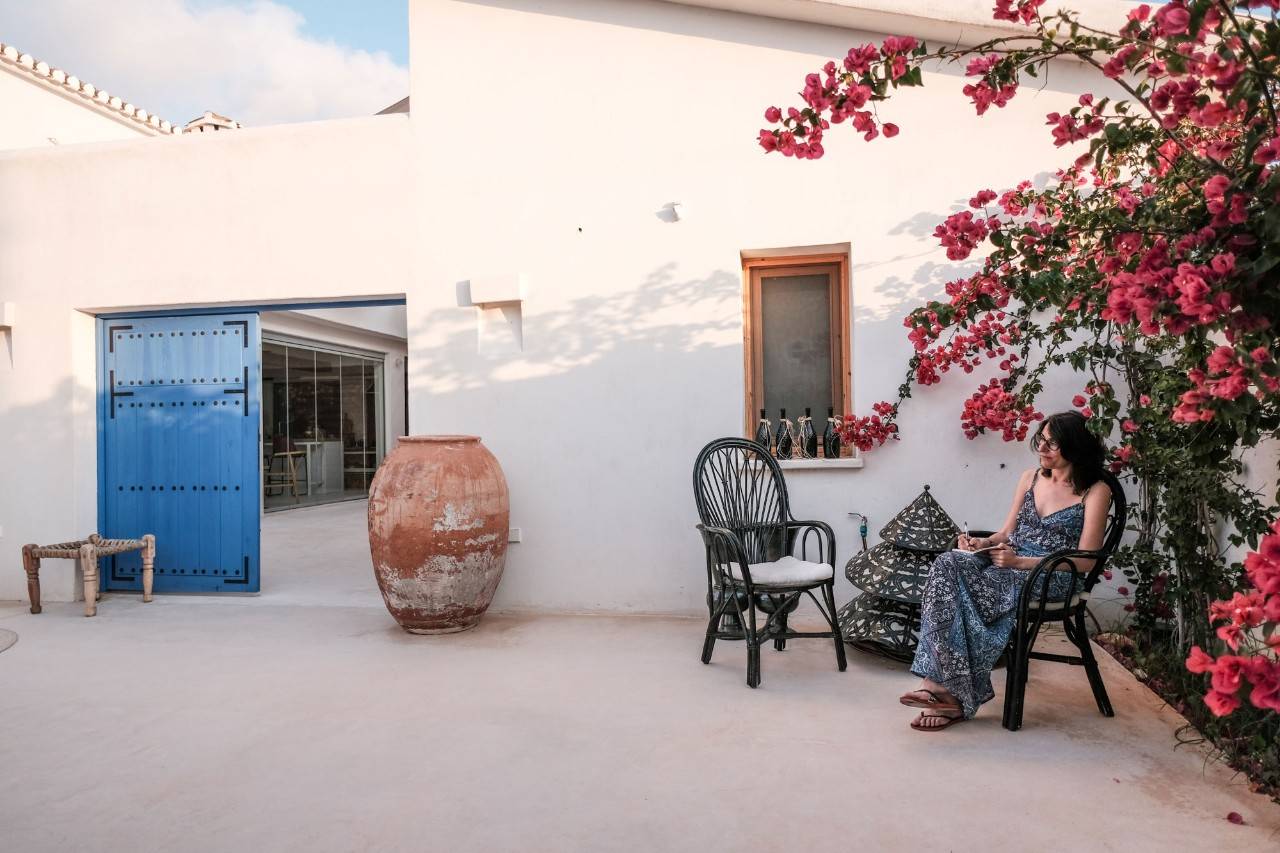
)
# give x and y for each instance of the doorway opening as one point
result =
(211, 420)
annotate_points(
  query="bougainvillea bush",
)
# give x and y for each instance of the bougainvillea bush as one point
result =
(1149, 264)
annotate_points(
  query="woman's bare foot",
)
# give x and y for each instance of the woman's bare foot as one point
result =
(937, 720)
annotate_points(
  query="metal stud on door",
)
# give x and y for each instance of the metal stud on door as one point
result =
(180, 450)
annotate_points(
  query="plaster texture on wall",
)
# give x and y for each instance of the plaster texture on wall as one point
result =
(298, 212)
(632, 328)
(37, 115)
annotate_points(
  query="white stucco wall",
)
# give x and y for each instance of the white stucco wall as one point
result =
(301, 212)
(388, 320)
(632, 329)
(35, 114)
(625, 356)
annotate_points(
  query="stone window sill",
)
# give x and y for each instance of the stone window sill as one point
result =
(819, 464)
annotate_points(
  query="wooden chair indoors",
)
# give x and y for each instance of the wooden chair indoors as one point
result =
(290, 459)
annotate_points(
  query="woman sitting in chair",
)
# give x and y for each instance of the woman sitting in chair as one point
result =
(970, 601)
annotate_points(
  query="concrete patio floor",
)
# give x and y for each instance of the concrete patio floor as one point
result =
(278, 724)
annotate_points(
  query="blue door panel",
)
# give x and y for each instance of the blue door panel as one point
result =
(181, 449)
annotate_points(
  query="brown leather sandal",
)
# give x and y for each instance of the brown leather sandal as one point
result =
(933, 703)
(950, 721)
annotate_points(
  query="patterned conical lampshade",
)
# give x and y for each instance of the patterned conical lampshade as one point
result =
(921, 526)
(891, 572)
(881, 626)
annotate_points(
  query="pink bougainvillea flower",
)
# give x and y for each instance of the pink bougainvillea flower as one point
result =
(1199, 662)
(1230, 634)
(980, 65)
(1173, 20)
(982, 198)
(1221, 704)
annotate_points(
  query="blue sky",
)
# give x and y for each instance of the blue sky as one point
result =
(258, 61)
(372, 25)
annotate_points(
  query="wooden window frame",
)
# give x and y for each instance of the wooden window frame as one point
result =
(833, 265)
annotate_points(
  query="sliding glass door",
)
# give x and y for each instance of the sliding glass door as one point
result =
(322, 423)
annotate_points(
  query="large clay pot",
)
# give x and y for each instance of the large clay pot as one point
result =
(438, 520)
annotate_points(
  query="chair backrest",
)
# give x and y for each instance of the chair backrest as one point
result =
(738, 485)
(281, 444)
(1117, 517)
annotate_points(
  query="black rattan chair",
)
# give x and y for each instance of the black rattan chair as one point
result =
(1034, 611)
(749, 536)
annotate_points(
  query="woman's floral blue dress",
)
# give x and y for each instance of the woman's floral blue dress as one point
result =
(967, 612)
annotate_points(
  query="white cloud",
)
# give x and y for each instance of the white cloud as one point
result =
(174, 58)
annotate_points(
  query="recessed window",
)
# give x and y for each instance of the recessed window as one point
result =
(797, 321)
(322, 423)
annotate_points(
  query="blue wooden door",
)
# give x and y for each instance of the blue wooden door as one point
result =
(180, 451)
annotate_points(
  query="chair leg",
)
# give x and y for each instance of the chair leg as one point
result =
(780, 643)
(1081, 639)
(753, 645)
(1024, 675)
(32, 566)
(829, 597)
(148, 565)
(717, 606)
(1015, 684)
(89, 565)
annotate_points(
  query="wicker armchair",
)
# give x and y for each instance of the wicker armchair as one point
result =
(1034, 610)
(749, 536)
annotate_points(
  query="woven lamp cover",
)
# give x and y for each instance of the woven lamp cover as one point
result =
(889, 626)
(891, 572)
(921, 526)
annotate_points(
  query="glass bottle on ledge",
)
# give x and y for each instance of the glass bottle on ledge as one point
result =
(786, 440)
(808, 437)
(764, 433)
(831, 437)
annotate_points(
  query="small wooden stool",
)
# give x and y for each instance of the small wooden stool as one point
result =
(88, 551)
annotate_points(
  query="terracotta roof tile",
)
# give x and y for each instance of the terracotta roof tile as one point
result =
(11, 57)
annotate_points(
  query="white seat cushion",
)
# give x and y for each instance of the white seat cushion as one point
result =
(789, 571)
(1034, 603)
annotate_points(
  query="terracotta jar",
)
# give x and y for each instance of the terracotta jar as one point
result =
(438, 518)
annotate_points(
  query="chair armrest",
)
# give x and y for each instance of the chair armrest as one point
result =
(826, 539)
(1058, 561)
(721, 542)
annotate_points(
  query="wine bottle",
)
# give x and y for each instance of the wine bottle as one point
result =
(786, 437)
(764, 433)
(831, 438)
(808, 437)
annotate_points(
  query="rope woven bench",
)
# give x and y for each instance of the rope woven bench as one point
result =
(88, 551)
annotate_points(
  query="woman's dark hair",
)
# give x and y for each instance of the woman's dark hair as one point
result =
(1077, 445)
